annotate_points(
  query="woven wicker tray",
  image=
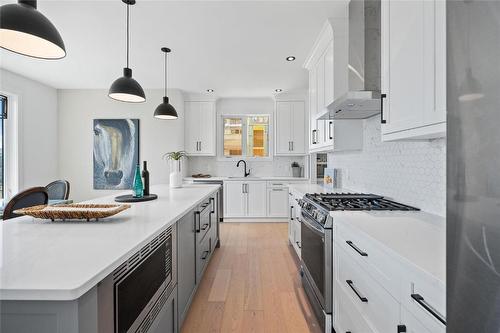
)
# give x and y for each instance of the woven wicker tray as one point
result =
(72, 211)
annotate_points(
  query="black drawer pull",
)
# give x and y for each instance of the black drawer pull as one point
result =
(197, 217)
(357, 249)
(382, 120)
(421, 301)
(351, 284)
(205, 255)
(204, 227)
(298, 245)
(401, 329)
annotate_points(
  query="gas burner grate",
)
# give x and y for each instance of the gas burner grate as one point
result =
(356, 201)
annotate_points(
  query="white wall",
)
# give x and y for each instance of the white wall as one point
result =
(37, 128)
(412, 172)
(78, 109)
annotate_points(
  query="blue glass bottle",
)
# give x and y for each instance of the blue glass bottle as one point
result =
(138, 187)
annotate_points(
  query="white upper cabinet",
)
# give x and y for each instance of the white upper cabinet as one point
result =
(290, 125)
(413, 76)
(200, 128)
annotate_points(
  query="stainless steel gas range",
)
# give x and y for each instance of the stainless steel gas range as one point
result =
(317, 243)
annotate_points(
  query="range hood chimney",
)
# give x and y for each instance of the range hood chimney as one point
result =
(363, 98)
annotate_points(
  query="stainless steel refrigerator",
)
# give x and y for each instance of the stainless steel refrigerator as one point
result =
(473, 166)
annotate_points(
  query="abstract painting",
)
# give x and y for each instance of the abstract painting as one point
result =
(116, 153)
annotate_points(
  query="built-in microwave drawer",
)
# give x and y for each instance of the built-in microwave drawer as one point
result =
(203, 253)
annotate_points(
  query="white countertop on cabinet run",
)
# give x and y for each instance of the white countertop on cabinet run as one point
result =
(44, 260)
(415, 237)
(250, 178)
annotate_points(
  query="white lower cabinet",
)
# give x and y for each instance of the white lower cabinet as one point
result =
(245, 199)
(294, 234)
(375, 291)
(277, 202)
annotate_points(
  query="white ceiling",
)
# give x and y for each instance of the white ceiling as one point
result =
(237, 48)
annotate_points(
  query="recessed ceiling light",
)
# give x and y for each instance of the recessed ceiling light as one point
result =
(210, 90)
(290, 58)
(278, 90)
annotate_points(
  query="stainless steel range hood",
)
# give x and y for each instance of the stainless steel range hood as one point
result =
(363, 98)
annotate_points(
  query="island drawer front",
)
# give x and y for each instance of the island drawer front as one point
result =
(376, 305)
(347, 316)
(380, 265)
(203, 222)
(203, 254)
(425, 297)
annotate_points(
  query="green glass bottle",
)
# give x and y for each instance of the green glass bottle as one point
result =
(138, 187)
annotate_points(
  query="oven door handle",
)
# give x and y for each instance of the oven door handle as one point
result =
(312, 227)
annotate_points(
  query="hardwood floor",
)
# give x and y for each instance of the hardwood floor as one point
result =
(252, 284)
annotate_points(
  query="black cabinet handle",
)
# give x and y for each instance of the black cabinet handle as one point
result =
(357, 249)
(212, 202)
(314, 137)
(351, 284)
(205, 255)
(330, 130)
(298, 245)
(401, 329)
(204, 227)
(197, 222)
(382, 120)
(421, 301)
(291, 213)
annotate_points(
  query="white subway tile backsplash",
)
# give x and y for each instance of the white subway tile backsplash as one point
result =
(411, 172)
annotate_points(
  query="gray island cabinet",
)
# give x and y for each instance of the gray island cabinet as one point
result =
(121, 298)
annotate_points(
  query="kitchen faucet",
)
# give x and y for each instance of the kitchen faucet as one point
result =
(245, 164)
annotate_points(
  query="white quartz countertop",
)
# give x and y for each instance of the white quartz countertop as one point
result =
(302, 189)
(250, 178)
(44, 260)
(417, 238)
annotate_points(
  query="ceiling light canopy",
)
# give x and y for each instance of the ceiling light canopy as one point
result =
(24, 30)
(290, 58)
(125, 88)
(165, 110)
(210, 90)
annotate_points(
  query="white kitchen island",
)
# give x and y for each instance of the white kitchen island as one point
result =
(45, 264)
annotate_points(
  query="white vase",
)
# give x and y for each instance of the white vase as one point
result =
(175, 174)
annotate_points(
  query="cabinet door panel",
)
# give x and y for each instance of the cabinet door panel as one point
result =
(257, 201)
(277, 202)
(283, 127)
(320, 84)
(404, 32)
(298, 128)
(192, 127)
(329, 75)
(207, 128)
(186, 264)
(234, 199)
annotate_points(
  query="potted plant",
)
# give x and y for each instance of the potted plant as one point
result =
(175, 164)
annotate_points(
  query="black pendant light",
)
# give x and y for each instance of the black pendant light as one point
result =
(24, 30)
(125, 88)
(165, 110)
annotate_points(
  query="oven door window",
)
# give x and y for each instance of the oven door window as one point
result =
(133, 293)
(313, 255)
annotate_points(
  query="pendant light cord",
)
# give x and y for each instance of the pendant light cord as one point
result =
(165, 64)
(128, 31)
